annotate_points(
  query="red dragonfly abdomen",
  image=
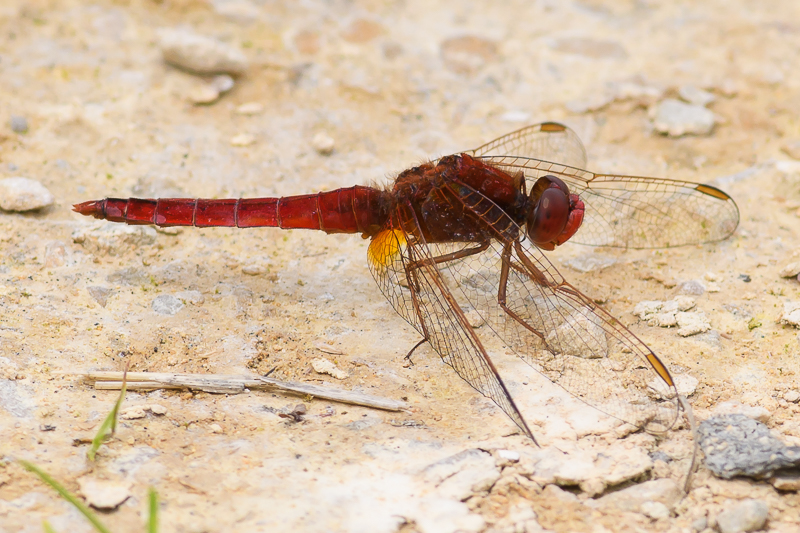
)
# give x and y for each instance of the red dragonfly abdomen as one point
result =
(349, 210)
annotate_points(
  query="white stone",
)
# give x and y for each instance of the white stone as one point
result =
(744, 516)
(323, 143)
(791, 396)
(691, 323)
(204, 95)
(695, 95)
(324, 366)
(791, 270)
(222, 83)
(791, 314)
(676, 118)
(133, 412)
(157, 409)
(198, 53)
(113, 239)
(654, 510)
(23, 194)
(102, 494)
(250, 108)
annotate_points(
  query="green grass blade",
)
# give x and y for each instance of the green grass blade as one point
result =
(67, 495)
(152, 522)
(109, 425)
(47, 527)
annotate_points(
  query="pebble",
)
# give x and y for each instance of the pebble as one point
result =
(324, 366)
(654, 510)
(133, 413)
(200, 54)
(788, 481)
(243, 139)
(99, 294)
(250, 108)
(699, 524)
(55, 253)
(743, 516)
(204, 94)
(692, 323)
(791, 270)
(735, 445)
(676, 118)
(792, 149)
(166, 304)
(102, 494)
(215, 428)
(791, 314)
(791, 396)
(692, 288)
(695, 95)
(157, 409)
(113, 239)
(506, 457)
(19, 124)
(23, 194)
(222, 83)
(323, 143)
(756, 412)
(673, 313)
(590, 262)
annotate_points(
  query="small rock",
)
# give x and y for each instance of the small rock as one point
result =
(99, 294)
(786, 480)
(204, 95)
(157, 409)
(243, 139)
(324, 366)
(166, 304)
(699, 524)
(23, 194)
(692, 288)
(711, 276)
(133, 413)
(791, 314)
(222, 83)
(756, 412)
(692, 323)
(506, 457)
(791, 396)
(654, 510)
(200, 54)
(19, 124)
(735, 445)
(474, 318)
(792, 149)
(323, 143)
(744, 516)
(215, 428)
(696, 96)
(791, 270)
(250, 108)
(676, 118)
(102, 494)
(590, 262)
(113, 239)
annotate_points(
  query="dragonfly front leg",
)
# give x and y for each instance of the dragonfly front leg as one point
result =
(502, 290)
(414, 286)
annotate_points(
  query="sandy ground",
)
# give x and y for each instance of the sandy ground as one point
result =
(391, 85)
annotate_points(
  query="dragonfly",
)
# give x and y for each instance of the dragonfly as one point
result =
(469, 231)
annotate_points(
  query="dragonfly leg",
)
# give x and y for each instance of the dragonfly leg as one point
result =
(501, 292)
(411, 351)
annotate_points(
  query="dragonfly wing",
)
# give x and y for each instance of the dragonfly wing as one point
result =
(549, 141)
(637, 212)
(428, 304)
(559, 331)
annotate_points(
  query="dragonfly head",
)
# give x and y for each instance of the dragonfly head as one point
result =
(554, 215)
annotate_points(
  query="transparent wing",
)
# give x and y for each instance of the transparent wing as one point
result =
(636, 212)
(548, 141)
(558, 330)
(409, 278)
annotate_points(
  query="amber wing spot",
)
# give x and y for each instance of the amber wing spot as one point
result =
(385, 247)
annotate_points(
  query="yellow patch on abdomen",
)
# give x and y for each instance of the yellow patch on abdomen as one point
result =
(385, 247)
